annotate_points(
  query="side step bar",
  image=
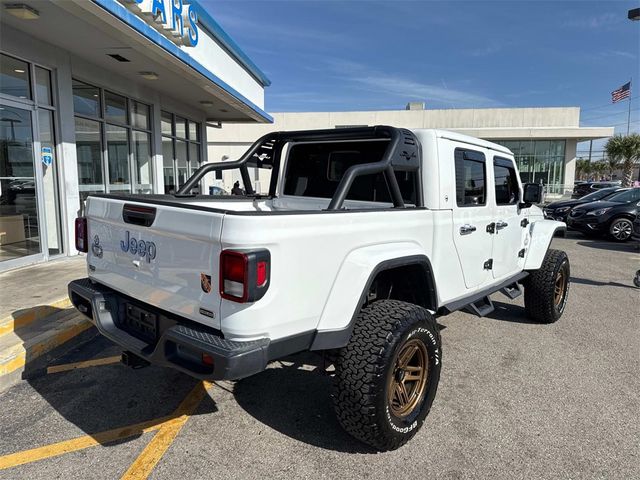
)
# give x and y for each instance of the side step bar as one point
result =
(481, 307)
(512, 291)
(479, 303)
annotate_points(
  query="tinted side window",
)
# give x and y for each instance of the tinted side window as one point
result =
(632, 195)
(506, 181)
(471, 178)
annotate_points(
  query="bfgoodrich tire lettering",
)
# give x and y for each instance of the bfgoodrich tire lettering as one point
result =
(546, 290)
(391, 342)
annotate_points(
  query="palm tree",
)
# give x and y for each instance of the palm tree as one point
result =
(626, 149)
(600, 168)
(583, 168)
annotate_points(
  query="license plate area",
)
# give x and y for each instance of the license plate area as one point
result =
(140, 323)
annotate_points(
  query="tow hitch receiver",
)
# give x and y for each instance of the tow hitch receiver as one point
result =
(133, 361)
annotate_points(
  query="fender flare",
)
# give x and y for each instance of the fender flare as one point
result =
(541, 234)
(329, 335)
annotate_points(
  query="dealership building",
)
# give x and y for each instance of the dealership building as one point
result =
(543, 140)
(107, 96)
(131, 96)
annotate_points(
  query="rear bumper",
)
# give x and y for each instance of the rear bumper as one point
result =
(179, 346)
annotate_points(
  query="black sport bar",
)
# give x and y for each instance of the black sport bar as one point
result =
(359, 133)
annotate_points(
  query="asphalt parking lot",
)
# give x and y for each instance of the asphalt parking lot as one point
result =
(516, 400)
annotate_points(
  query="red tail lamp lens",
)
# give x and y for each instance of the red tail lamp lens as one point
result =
(261, 274)
(244, 276)
(81, 234)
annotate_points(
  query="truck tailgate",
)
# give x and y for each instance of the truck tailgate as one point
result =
(161, 255)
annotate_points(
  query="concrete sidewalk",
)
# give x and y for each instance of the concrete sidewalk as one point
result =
(42, 284)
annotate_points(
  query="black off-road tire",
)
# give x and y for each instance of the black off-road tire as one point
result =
(366, 366)
(540, 300)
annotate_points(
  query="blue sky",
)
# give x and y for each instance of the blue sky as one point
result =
(371, 55)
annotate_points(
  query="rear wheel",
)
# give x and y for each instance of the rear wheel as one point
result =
(387, 376)
(621, 229)
(546, 289)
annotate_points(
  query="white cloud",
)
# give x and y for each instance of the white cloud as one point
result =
(604, 20)
(406, 88)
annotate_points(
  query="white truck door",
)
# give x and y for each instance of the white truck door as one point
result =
(509, 233)
(472, 213)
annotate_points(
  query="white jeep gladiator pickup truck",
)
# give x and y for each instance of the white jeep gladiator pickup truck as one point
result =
(365, 236)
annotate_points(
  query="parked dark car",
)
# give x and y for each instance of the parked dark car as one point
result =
(613, 216)
(560, 210)
(582, 189)
(636, 228)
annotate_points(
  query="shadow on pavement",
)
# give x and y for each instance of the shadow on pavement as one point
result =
(98, 399)
(597, 283)
(297, 403)
(508, 312)
(629, 246)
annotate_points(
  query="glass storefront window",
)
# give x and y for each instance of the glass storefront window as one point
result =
(43, 86)
(194, 132)
(182, 161)
(14, 77)
(86, 99)
(539, 161)
(142, 159)
(126, 130)
(19, 228)
(181, 152)
(118, 158)
(167, 165)
(115, 108)
(167, 123)
(181, 127)
(140, 115)
(89, 156)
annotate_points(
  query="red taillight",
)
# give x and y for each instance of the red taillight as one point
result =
(233, 276)
(244, 276)
(261, 273)
(81, 235)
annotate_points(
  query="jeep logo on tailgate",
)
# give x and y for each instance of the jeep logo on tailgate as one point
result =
(138, 247)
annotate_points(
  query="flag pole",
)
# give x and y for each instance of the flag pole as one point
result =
(629, 112)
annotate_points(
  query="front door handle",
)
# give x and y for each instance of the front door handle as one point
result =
(500, 225)
(466, 229)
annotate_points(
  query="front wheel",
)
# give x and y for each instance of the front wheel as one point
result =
(546, 290)
(387, 375)
(621, 229)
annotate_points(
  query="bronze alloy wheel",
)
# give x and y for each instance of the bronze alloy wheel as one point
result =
(560, 288)
(408, 378)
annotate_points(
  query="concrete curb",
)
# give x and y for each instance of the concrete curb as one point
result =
(24, 317)
(28, 338)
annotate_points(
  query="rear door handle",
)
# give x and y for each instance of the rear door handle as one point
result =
(500, 225)
(467, 229)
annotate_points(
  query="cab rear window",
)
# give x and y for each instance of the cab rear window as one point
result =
(316, 169)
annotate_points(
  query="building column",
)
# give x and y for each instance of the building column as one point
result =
(570, 148)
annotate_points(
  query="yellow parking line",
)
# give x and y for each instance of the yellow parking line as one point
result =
(88, 363)
(142, 467)
(80, 443)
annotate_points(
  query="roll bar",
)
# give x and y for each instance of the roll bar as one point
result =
(402, 154)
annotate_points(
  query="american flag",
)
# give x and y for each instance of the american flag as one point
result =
(620, 94)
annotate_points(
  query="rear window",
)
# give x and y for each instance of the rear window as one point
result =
(316, 169)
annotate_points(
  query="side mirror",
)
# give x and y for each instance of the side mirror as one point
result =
(532, 194)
